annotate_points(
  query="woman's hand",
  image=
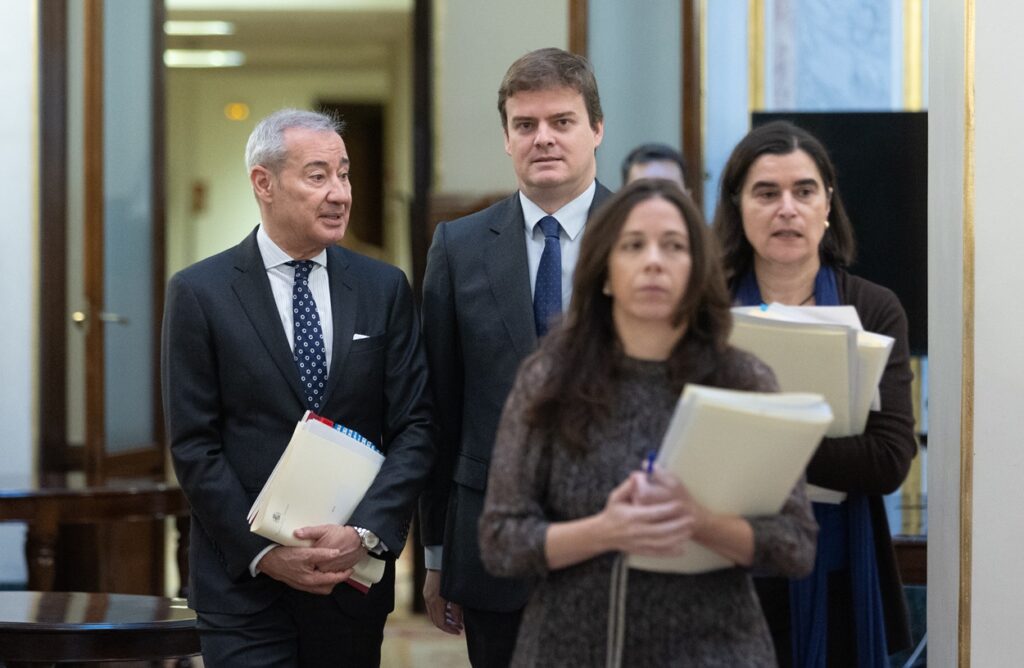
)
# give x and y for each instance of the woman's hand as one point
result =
(729, 535)
(654, 518)
(660, 486)
(651, 515)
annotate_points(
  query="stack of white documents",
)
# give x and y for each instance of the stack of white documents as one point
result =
(322, 476)
(739, 453)
(821, 349)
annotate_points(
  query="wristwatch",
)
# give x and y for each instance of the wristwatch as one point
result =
(367, 538)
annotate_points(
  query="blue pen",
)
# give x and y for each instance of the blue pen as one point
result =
(649, 463)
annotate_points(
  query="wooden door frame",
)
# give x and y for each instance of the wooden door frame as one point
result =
(422, 137)
(692, 130)
(56, 456)
(578, 27)
(92, 234)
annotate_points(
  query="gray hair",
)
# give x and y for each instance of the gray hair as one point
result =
(266, 143)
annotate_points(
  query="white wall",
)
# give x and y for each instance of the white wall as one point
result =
(999, 354)
(398, 178)
(476, 41)
(18, 352)
(995, 532)
(945, 308)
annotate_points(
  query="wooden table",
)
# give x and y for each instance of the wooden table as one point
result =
(42, 628)
(44, 509)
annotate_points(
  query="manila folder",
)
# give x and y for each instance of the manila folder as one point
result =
(737, 452)
(320, 479)
(816, 358)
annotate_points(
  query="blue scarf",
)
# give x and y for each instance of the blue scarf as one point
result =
(845, 541)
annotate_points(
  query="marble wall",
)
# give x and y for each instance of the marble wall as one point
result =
(822, 55)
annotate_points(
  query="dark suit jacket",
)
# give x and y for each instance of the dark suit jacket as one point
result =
(232, 398)
(478, 326)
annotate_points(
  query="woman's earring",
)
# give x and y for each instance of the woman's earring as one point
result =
(606, 290)
(826, 223)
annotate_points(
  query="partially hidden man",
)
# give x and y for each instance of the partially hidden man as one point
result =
(253, 337)
(495, 281)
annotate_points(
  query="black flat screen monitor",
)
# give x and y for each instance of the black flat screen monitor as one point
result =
(881, 161)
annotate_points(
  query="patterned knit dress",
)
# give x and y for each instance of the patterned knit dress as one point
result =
(711, 619)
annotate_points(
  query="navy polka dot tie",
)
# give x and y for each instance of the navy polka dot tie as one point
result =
(547, 291)
(310, 356)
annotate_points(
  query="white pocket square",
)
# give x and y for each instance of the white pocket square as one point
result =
(356, 337)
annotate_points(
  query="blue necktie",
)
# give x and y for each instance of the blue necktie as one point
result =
(310, 356)
(547, 291)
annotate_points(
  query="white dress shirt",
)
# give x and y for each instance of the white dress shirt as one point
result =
(282, 279)
(572, 218)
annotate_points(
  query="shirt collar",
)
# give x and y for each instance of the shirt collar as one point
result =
(273, 256)
(572, 217)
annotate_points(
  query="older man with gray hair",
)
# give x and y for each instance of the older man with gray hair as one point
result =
(288, 321)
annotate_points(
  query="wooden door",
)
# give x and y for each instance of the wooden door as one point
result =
(102, 265)
(123, 230)
(364, 141)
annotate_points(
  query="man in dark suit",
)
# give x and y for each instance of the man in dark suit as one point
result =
(494, 282)
(284, 322)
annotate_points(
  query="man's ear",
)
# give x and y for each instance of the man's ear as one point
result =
(262, 183)
(598, 133)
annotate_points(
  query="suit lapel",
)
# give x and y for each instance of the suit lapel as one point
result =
(600, 195)
(252, 288)
(343, 312)
(509, 275)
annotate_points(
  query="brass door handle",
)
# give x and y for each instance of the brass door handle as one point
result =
(81, 318)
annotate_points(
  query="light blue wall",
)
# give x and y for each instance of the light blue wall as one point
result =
(635, 49)
(726, 117)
